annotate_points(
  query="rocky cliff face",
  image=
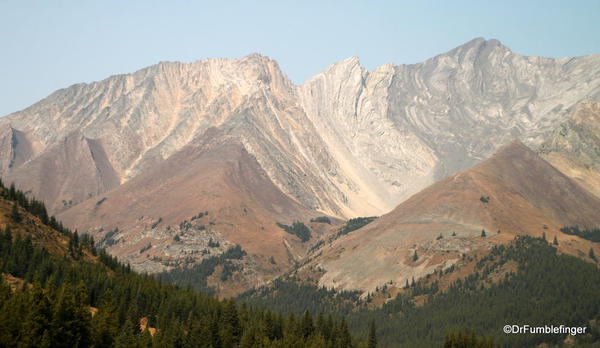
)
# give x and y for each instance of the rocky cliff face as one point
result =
(574, 146)
(348, 142)
(403, 127)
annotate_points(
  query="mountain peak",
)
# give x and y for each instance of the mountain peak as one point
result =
(516, 145)
(515, 192)
(479, 41)
(257, 57)
(479, 45)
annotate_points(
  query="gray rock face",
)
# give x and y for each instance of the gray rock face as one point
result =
(409, 125)
(347, 142)
(574, 146)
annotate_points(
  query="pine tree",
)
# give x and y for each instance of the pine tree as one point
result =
(213, 328)
(126, 337)
(328, 326)
(15, 215)
(306, 326)
(483, 233)
(592, 254)
(372, 341)
(415, 256)
(37, 320)
(232, 330)
(555, 241)
(12, 192)
(104, 326)
(71, 318)
(342, 336)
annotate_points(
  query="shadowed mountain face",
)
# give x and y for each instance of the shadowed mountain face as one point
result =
(514, 192)
(65, 173)
(147, 151)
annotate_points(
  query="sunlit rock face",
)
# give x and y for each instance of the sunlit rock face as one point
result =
(347, 142)
(574, 146)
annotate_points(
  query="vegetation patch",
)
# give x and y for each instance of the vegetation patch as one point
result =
(298, 229)
(591, 235)
(321, 219)
(197, 275)
(545, 287)
(356, 223)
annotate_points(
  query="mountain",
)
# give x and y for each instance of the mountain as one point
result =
(400, 128)
(574, 146)
(348, 141)
(59, 291)
(515, 192)
(165, 211)
(111, 157)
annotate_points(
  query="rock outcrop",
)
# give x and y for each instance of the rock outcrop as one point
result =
(574, 146)
(346, 143)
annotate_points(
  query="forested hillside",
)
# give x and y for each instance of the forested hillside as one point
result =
(58, 291)
(526, 282)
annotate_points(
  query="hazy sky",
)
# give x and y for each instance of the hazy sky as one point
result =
(47, 45)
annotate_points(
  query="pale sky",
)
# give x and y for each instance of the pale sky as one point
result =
(47, 45)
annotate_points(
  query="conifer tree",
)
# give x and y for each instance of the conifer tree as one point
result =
(213, 328)
(372, 340)
(15, 215)
(126, 337)
(104, 327)
(342, 336)
(37, 320)
(306, 326)
(232, 330)
(70, 320)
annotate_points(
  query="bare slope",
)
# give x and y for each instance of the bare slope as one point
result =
(574, 146)
(524, 194)
(216, 175)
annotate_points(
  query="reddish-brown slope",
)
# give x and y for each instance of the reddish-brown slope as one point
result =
(525, 193)
(217, 175)
(526, 196)
(41, 235)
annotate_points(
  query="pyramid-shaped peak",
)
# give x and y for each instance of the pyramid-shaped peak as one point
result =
(515, 145)
(479, 44)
